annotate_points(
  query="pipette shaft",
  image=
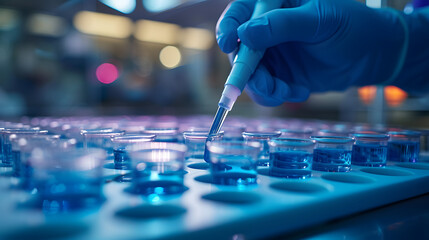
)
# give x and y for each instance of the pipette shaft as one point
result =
(244, 65)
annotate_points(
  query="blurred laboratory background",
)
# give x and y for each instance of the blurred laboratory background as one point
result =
(151, 57)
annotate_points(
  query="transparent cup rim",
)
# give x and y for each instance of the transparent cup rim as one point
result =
(160, 130)
(262, 134)
(200, 135)
(407, 133)
(335, 131)
(291, 142)
(102, 132)
(233, 147)
(333, 139)
(24, 131)
(370, 136)
(133, 138)
(305, 130)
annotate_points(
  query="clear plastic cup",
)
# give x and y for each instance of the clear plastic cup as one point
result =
(404, 146)
(67, 180)
(196, 142)
(291, 157)
(332, 154)
(123, 144)
(158, 169)
(9, 154)
(263, 138)
(234, 162)
(233, 133)
(100, 138)
(370, 150)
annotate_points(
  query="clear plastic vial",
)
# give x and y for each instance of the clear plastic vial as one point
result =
(158, 169)
(123, 144)
(234, 162)
(100, 138)
(291, 157)
(67, 180)
(263, 138)
(196, 142)
(370, 150)
(332, 154)
(404, 146)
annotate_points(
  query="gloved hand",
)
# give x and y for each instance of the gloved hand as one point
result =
(315, 46)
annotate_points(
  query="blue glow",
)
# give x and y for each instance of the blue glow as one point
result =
(123, 6)
(160, 5)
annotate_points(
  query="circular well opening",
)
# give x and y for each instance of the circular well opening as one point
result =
(299, 187)
(200, 166)
(233, 197)
(386, 171)
(347, 178)
(150, 211)
(420, 166)
(47, 231)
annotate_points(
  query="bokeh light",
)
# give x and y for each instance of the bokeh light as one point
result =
(394, 96)
(107, 73)
(170, 56)
(367, 94)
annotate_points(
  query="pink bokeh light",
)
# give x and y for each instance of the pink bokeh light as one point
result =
(107, 73)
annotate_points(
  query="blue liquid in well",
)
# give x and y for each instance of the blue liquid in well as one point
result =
(7, 155)
(147, 182)
(68, 191)
(16, 158)
(196, 150)
(26, 177)
(403, 151)
(121, 159)
(332, 160)
(291, 164)
(235, 171)
(370, 155)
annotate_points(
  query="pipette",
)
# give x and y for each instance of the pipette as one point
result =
(244, 65)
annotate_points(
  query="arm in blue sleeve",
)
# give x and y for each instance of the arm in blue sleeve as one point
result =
(414, 76)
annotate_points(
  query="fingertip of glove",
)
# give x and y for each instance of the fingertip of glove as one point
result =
(262, 100)
(227, 44)
(253, 32)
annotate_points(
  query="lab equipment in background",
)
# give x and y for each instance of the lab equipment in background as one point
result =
(263, 138)
(370, 150)
(158, 169)
(332, 154)
(404, 146)
(67, 180)
(291, 157)
(234, 162)
(125, 143)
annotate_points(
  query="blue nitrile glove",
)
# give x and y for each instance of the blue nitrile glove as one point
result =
(316, 46)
